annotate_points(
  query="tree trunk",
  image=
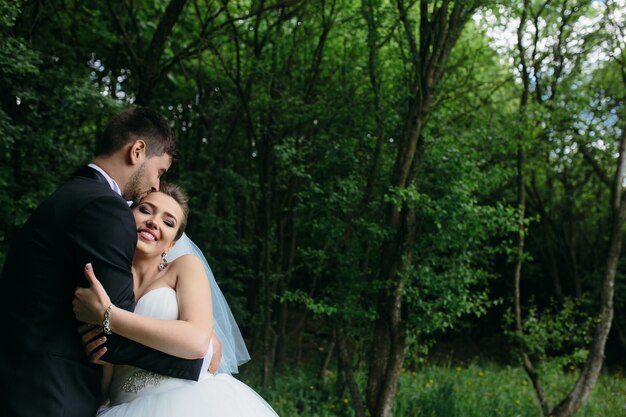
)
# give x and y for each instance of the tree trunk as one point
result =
(329, 352)
(549, 243)
(533, 375)
(281, 346)
(146, 62)
(151, 68)
(591, 371)
(439, 30)
(345, 363)
(267, 296)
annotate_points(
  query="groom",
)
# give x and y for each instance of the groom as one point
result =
(43, 368)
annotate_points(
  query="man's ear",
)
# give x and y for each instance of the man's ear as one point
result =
(137, 152)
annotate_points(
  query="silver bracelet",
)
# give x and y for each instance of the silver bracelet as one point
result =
(107, 320)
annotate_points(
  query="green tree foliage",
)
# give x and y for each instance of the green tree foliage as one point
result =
(50, 109)
(347, 161)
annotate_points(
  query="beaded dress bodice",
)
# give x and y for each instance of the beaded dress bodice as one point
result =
(128, 381)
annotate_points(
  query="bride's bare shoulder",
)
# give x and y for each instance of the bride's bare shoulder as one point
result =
(187, 265)
(188, 270)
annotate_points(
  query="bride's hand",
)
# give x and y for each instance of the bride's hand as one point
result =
(214, 364)
(90, 303)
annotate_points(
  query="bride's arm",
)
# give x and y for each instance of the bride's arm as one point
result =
(188, 337)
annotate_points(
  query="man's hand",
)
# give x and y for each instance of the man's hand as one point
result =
(217, 354)
(93, 342)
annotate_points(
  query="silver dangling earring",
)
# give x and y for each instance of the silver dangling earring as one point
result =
(163, 263)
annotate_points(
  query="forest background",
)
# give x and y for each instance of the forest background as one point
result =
(378, 185)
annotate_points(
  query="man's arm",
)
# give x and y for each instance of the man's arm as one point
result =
(104, 234)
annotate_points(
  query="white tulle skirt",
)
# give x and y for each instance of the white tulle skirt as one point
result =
(137, 393)
(216, 395)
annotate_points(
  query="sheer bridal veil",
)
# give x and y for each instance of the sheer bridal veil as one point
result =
(234, 351)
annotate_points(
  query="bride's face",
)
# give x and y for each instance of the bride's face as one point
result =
(158, 218)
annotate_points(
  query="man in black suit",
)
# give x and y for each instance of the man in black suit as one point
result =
(43, 368)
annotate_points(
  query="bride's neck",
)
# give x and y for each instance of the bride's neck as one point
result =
(145, 269)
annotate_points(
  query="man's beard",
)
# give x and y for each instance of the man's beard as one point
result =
(136, 187)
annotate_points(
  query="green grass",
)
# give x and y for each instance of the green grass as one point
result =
(446, 391)
(296, 393)
(490, 390)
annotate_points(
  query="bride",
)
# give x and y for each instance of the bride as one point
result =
(178, 307)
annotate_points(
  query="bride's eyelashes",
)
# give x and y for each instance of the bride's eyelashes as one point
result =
(145, 209)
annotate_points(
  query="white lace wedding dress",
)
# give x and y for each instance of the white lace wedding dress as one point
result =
(135, 392)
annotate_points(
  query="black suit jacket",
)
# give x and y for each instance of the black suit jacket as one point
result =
(43, 369)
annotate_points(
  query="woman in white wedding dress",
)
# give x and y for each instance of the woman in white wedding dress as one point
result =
(174, 314)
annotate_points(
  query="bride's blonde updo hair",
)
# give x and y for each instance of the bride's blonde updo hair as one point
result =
(182, 199)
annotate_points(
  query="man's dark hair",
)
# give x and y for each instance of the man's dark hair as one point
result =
(137, 123)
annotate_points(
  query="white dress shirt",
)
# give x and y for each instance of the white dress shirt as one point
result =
(110, 180)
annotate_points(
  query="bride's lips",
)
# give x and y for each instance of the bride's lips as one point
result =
(146, 234)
